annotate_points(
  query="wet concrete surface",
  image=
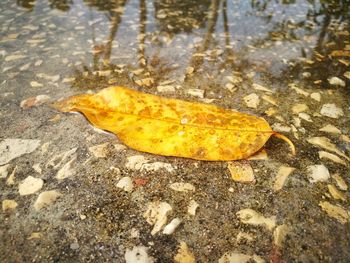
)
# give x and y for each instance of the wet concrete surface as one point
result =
(295, 58)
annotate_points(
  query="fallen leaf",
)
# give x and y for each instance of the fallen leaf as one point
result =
(173, 127)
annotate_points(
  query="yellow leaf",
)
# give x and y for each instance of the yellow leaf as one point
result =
(173, 127)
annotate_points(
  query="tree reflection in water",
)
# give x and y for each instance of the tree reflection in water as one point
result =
(224, 36)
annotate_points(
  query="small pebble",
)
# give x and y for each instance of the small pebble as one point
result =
(30, 185)
(74, 246)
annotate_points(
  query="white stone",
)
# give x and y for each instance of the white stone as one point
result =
(196, 93)
(281, 178)
(36, 84)
(235, 257)
(30, 185)
(318, 173)
(11, 179)
(335, 193)
(260, 87)
(45, 199)
(8, 205)
(166, 89)
(331, 110)
(347, 74)
(184, 255)
(182, 187)
(297, 108)
(4, 171)
(335, 81)
(192, 207)
(252, 100)
(126, 184)
(136, 162)
(340, 182)
(279, 234)
(37, 168)
(13, 148)
(316, 96)
(67, 169)
(251, 217)
(241, 171)
(62, 158)
(140, 163)
(331, 129)
(171, 227)
(332, 157)
(156, 166)
(280, 127)
(156, 215)
(99, 151)
(34, 101)
(335, 211)
(138, 254)
(305, 116)
(326, 143)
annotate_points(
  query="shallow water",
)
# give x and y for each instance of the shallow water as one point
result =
(278, 53)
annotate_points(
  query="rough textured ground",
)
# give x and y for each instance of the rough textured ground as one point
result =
(214, 52)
